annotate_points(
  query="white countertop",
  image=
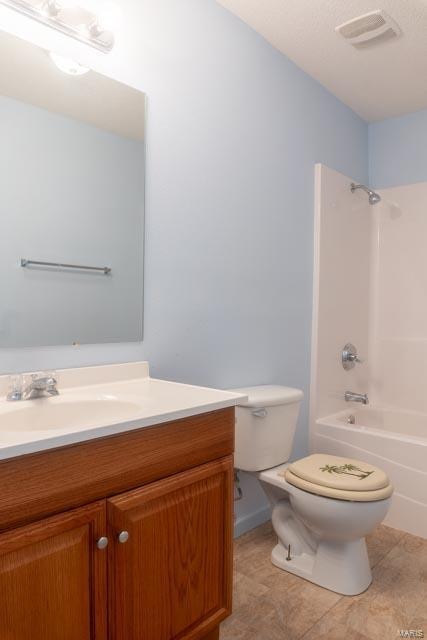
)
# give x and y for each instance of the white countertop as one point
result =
(100, 401)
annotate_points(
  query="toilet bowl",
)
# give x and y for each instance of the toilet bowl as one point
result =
(323, 506)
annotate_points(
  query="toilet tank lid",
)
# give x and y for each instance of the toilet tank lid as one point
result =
(269, 395)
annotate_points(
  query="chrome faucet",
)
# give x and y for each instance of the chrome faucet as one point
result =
(351, 396)
(40, 386)
(349, 356)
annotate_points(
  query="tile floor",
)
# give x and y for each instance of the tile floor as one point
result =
(270, 604)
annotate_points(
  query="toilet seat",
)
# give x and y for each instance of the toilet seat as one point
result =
(339, 478)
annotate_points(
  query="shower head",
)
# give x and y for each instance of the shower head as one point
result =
(373, 197)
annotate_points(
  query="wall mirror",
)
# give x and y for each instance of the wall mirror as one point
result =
(72, 171)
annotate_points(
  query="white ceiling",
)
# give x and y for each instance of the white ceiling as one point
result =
(31, 76)
(382, 81)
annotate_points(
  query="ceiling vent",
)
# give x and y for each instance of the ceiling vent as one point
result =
(371, 28)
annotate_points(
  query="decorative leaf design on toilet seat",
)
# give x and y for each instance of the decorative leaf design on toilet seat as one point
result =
(346, 469)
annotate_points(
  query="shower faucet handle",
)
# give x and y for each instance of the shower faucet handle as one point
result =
(349, 356)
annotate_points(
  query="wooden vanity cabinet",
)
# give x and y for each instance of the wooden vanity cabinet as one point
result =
(166, 573)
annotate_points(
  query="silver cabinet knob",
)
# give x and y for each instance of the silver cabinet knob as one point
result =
(123, 537)
(102, 543)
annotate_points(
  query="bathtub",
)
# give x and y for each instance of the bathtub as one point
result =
(394, 440)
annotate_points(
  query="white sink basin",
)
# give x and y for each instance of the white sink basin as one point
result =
(57, 414)
(96, 402)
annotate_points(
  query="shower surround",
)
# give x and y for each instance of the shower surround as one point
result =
(370, 288)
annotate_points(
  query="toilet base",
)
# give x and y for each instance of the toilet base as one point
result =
(342, 567)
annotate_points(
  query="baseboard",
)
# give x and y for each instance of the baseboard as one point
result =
(242, 525)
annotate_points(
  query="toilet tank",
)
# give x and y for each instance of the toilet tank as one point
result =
(265, 426)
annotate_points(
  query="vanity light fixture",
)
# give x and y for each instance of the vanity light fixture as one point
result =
(69, 18)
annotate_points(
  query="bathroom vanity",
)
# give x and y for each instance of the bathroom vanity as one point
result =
(119, 531)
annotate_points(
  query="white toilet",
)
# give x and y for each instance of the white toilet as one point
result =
(323, 505)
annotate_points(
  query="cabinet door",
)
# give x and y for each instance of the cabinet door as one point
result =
(172, 578)
(53, 578)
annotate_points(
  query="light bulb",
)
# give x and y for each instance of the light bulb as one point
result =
(109, 14)
(53, 7)
(68, 65)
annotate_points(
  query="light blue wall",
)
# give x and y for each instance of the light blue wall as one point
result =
(234, 131)
(398, 150)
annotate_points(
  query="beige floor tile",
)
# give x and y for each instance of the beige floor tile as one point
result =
(407, 561)
(335, 631)
(302, 605)
(257, 565)
(419, 620)
(246, 591)
(377, 617)
(265, 531)
(236, 629)
(269, 620)
(344, 620)
(381, 541)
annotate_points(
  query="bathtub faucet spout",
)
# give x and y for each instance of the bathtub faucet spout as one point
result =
(350, 396)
